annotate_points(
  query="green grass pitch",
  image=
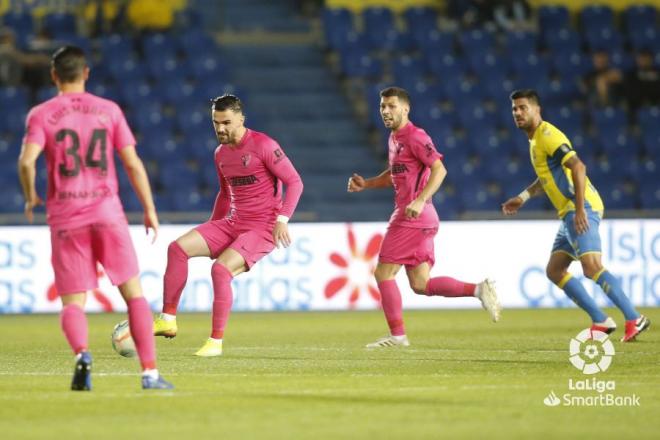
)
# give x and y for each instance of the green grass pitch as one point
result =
(307, 375)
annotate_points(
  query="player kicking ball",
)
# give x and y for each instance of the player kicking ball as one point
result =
(416, 172)
(249, 218)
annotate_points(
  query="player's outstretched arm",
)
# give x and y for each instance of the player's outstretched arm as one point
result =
(26, 173)
(137, 174)
(511, 206)
(357, 183)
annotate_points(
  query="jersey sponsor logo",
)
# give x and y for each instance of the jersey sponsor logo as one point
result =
(246, 159)
(84, 194)
(398, 168)
(430, 148)
(243, 180)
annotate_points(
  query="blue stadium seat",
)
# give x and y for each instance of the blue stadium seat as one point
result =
(148, 117)
(337, 22)
(622, 60)
(208, 66)
(559, 91)
(434, 42)
(444, 66)
(391, 40)
(408, 69)
(650, 196)
(648, 172)
(608, 118)
(562, 40)
(14, 120)
(11, 97)
(472, 114)
(639, 16)
(19, 20)
(498, 89)
(359, 64)
(488, 64)
(180, 93)
(479, 197)
(377, 21)
(158, 44)
(553, 18)
(135, 92)
(168, 67)
(461, 89)
(648, 117)
(59, 25)
(596, 17)
(116, 46)
(477, 40)
(532, 68)
(618, 143)
(194, 42)
(651, 140)
(128, 68)
(421, 18)
(187, 200)
(46, 93)
(571, 64)
(517, 42)
(607, 39)
(646, 37)
(620, 195)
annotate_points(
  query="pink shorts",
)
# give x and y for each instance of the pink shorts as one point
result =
(253, 243)
(408, 246)
(76, 251)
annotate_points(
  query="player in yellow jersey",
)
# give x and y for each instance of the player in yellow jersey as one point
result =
(562, 176)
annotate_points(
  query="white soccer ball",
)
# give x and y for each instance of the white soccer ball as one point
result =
(122, 341)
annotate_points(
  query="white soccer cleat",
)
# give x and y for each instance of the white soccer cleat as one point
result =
(390, 341)
(488, 297)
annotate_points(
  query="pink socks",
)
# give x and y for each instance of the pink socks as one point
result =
(176, 275)
(222, 299)
(141, 323)
(447, 286)
(74, 326)
(392, 306)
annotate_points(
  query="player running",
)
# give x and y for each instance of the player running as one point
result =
(79, 133)
(249, 218)
(416, 172)
(562, 176)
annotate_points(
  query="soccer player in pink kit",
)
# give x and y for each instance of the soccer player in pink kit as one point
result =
(249, 218)
(79, 133)
(416, 172)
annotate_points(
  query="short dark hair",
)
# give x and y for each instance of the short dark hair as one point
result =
(69, 63)
(400, 93)
(227, 102)
(530, 94)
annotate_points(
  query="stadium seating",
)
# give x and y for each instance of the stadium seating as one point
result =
(459, 81)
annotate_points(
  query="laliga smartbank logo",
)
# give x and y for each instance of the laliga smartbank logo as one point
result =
(591, 352)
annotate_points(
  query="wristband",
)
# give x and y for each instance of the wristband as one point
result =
(524, 196)
(283, 219)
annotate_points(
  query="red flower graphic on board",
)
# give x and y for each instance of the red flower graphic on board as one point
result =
(358, 268)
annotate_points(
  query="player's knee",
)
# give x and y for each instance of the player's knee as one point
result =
(591, 270)
(418, 286)
(175, 250)
(554, 274)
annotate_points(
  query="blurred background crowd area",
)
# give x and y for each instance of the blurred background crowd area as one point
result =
(310, 71)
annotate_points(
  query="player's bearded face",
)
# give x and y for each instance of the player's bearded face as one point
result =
(227, 125)
(392, 112)
(524, 113)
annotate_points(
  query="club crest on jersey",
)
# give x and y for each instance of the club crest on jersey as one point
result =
(246, 159)
(398, 148)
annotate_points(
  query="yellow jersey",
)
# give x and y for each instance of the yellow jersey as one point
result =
(549, 150)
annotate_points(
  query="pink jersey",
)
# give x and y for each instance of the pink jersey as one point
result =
(411, 153)
(79, 133)
(251, 176)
